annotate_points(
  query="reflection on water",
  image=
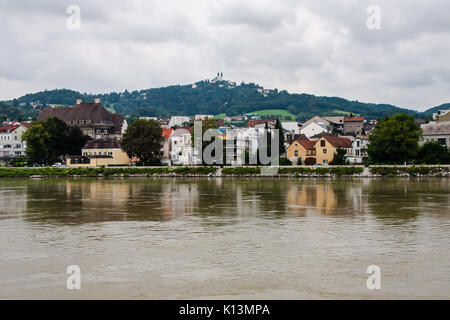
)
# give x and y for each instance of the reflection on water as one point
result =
(243, 238)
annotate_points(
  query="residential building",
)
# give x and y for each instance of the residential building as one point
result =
(442, 115)
(303, 149)
(181, 151)
(318, 136)
(177, 121)
(261, 124)
(317, 151)
(292, 126)
(353, 125)
(11, 143)
(149, 118)
(370, 126)
(436, 131)
(358, 153)
(91, 117)
(204, 116)
(234, 119)
(327, 146)
(320, 120)
(100, 152)
(166, 146)
(164, 123)
(336, 124)
(313, 128)
(291, 138)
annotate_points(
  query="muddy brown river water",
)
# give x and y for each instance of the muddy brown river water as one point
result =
(213, 238)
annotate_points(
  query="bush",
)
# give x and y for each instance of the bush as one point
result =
(285, 162)
(412, 171)
(241, 170)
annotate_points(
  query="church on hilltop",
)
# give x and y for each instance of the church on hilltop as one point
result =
(218, 78)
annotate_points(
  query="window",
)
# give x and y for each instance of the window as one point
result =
(322, 143)
(325, 161)
(357, 153)
(357, 144)
(441, 141)
(324, 151)
(109, 153)
(296, 153)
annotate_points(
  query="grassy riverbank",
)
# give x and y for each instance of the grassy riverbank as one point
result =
(375, 171)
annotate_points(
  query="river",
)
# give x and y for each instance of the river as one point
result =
(213, 238)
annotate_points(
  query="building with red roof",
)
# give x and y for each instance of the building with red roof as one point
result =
(11, 144)
(353, 126)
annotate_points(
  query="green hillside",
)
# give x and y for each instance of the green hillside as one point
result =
(276, 113)
(214, 98)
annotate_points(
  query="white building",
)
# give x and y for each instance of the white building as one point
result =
(149, 118)
(204, 116)
(440, 113)
(11, 144)
(178, 121)
(291, 126)
(359, 150)
(181, 151)
(437, 132)
(313, 128)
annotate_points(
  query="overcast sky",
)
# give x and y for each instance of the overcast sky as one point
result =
(323, 47)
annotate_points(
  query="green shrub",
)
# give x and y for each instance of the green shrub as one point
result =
(241, 170)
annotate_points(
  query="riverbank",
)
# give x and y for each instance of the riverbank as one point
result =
(283, 171)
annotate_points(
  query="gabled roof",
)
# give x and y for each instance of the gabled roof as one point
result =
(335, 119)
(316, 119)
(253, 123)
(354, 119)
(307, 144)
(339, 142)
(9, 128)
(321, 135)
(94, 112)
(166, 133)
(300, 136)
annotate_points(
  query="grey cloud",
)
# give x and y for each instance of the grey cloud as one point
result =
(321, 47)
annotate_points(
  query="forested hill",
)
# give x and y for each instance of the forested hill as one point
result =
(206, 97)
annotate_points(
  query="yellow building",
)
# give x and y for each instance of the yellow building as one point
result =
(327, 146)
(303, 149)
(320, 151)
(102, 152)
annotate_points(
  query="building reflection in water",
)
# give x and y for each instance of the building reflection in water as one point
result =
(77, 201)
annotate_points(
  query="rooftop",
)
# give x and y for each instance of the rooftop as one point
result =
(439, 128)
(339, 142)
(354, 119)
(102, 144)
